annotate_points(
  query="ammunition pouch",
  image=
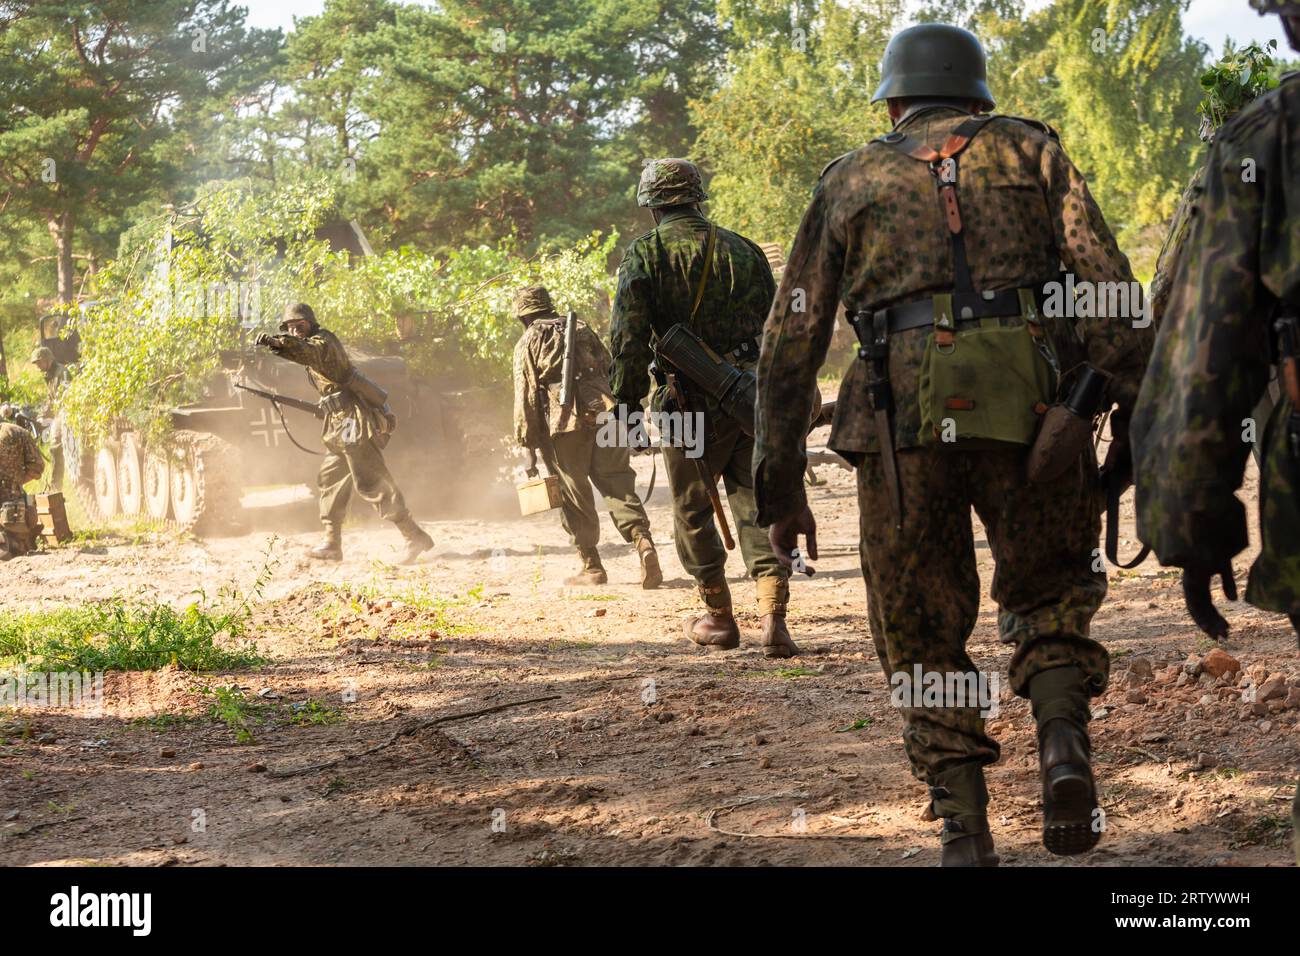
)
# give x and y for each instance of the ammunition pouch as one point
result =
(334, 403)
(733, 389)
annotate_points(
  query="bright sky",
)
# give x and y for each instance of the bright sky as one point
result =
(1211, 20)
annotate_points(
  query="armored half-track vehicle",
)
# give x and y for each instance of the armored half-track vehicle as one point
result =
(232, 441)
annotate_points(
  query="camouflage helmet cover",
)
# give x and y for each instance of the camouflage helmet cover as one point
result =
(934, 60)
(533, 300)
(295, 311)
(42, 354)
(669, 182)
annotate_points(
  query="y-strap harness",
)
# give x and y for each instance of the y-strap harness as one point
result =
(874, 328)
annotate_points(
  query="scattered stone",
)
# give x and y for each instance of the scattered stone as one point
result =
(1141, 667)
(1219, 662)
(1206, 699)
(167, 752)
(1206, 761)
(758, 740)
(1293, 698)
(1272, 689)
(257, 768)
(764, 763)
(664, 716)
(592, 723)
(47, 739)
(1135, 697)
(196, 765)
(1265, 725)
(11, 815)
(1192, 666)
(596, 612)
(1176, 802)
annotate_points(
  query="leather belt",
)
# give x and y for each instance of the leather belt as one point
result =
(969, 307)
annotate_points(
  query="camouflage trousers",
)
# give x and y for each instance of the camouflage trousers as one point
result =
(729, 453)
(579, 462)
(358, 467)
(923, 587)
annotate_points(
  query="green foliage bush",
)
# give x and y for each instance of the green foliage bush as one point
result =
(182, 283)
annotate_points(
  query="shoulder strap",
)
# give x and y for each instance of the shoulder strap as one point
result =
(943, 166)
(708, 268)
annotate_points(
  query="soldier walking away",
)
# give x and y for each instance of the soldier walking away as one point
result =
(1234, 311)
(940, 238)
(355, 432)
(718, 284)
(56, 376)
(566, 434)
(20, 462)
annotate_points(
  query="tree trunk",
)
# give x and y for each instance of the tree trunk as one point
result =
(61, 229)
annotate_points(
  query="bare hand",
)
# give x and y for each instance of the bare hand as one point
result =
(784, 537)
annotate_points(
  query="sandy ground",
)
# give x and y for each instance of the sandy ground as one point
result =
(637, 747)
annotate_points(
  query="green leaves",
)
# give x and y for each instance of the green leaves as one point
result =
(173, 299)
(1238, 77)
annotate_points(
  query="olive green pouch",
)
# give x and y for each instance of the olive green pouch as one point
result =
(990, 381)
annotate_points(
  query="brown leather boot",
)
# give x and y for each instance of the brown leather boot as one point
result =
(418, 541)
(716, 627)
(773, 598)
(651, 574)
(776, 638)
(593, 572)
(1072, 821)
(331, 546)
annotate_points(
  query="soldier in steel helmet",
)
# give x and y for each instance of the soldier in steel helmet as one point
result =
(569, 436)
(941, 239)
(354, 434)
(1233, 318)
(56, 377)
(690, 271)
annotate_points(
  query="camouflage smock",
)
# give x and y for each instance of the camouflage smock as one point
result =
(538, 366)
(328, 365)
(1211, 361)
(874, 237)
(20, 460)
(657, 280)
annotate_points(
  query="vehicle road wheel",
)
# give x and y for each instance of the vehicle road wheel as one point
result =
(157, 485)
(129, 475)
(105, 480)
(204, 483)
(186, 491)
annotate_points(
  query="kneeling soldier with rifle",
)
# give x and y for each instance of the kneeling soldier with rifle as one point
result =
(561, 390)
(357, 426)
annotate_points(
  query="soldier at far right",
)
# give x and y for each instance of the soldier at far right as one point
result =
(1234, 306)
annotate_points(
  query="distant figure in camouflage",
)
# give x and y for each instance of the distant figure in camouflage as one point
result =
(1234, 310)
(928, 277)
(567, 436)
(719, 284)
(20, 462)
(353, 435)
(56, 377)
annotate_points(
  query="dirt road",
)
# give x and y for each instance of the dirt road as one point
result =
(639, 748)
